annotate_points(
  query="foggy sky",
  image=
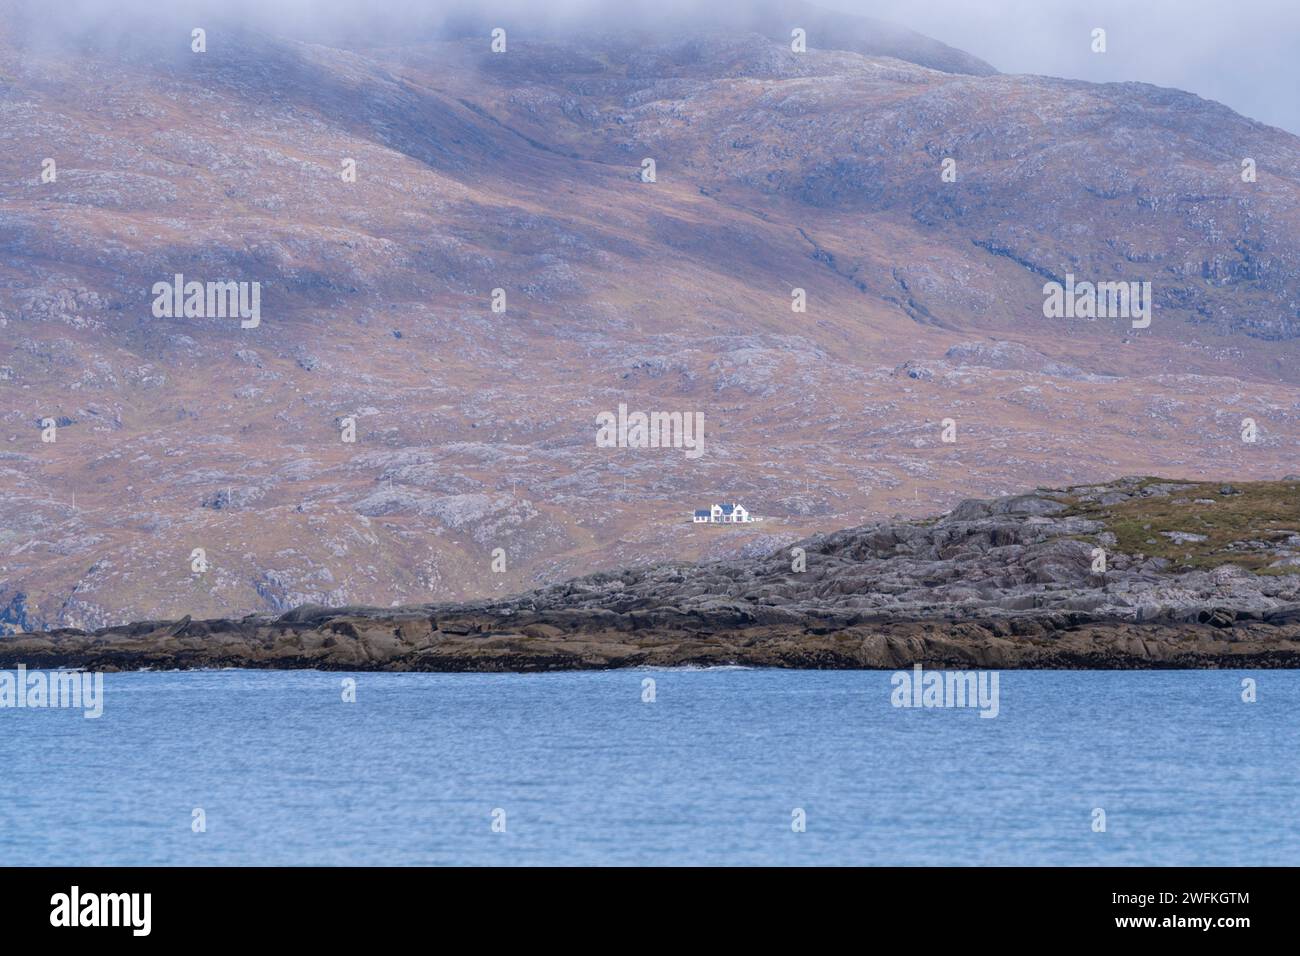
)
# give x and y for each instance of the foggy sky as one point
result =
(1243, 53)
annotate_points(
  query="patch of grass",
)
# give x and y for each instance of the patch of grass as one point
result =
(1265, 512)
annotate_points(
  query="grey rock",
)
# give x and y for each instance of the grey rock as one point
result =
(1183, 537)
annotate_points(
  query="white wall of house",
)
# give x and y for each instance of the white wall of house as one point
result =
(716, 516)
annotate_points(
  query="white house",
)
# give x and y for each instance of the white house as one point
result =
(731, 513)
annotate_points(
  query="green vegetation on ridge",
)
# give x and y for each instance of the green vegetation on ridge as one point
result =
(1199, 525)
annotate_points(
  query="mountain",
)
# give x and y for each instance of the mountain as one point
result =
(521, 171)
(1140, 572)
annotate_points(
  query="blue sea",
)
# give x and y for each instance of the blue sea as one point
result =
(578, 768)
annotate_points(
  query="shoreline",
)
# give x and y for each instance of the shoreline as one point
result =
(411, 641)
(1139, 573)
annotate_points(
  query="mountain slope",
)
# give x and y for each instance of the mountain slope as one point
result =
(521, 172)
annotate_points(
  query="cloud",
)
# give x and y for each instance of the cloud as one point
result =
(1243, 54)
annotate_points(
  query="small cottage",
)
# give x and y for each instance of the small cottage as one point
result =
(730, 513)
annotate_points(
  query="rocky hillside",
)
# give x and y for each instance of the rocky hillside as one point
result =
(522, 172)
(1141, 572)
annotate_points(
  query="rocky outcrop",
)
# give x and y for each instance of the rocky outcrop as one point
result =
(1038, 580)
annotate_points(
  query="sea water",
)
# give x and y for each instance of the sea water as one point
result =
(655, 766)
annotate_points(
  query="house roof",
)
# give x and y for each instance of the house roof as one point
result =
(701, 512)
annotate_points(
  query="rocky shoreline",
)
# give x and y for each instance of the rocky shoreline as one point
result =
(1193, 575)
(355, 642)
